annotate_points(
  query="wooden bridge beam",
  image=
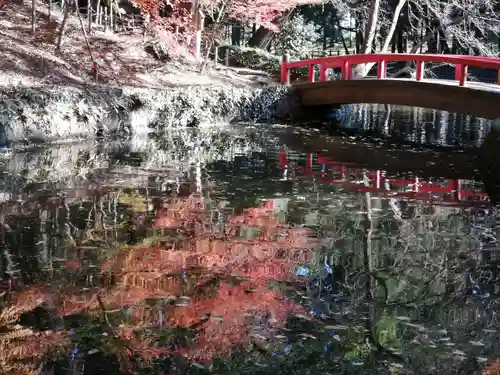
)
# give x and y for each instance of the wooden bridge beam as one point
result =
(435, 94)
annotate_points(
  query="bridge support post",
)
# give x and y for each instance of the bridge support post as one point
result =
(461, 74)
(381, 69)
(323, 73)
(419, 75)
(310, 74)
(285, 72)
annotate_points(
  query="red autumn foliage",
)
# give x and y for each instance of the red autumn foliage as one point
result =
(145, 272)
(259, 11)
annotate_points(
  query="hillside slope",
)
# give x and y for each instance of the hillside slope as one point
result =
(32, 60)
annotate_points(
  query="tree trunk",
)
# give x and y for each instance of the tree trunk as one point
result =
(263, 37)
(63, 25)
(33, 17)
(371, 27)
(89, 16)
(388, 39)
(342, 36)
(430, 34)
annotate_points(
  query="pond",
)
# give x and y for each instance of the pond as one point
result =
(254, 250)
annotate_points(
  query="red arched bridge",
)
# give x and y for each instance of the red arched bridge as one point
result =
(458, 95)
(442, 192)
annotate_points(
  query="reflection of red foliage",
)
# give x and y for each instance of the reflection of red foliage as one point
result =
(33, 346)
(230, 310)
(254, 246)
(493, 368)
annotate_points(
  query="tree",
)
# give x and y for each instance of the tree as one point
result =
(296, 38)
(64, 22)
(33, 17)
(432, 19)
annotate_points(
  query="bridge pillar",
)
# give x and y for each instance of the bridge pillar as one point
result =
(489, 162)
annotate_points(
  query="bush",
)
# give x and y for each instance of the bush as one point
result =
(254, 58)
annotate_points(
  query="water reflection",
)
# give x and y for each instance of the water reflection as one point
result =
(414, 125)
(230, 252)
(457, 192)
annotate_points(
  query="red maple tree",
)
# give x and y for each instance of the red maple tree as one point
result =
(155, 272)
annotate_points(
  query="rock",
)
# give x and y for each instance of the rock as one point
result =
(63, 113)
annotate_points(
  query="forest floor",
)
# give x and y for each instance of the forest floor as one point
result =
(32, 60)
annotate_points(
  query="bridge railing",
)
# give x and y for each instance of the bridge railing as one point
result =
(454, 192)
(346, 64)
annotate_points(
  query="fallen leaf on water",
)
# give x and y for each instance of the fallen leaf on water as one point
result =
(300, 316)
(337, 327)
(308, 336)
(413, 325)
(476, 343)
(405, 318)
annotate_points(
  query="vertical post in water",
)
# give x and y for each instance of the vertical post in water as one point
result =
(309, 163)
(285, 72)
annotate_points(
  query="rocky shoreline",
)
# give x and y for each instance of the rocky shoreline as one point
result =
(47, 114)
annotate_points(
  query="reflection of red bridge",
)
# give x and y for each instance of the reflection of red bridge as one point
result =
(454, 192)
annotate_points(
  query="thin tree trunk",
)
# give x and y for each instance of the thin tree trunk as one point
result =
(342, 35)
(63, 26)
(388, 39)
(84, 33)
(430, 34)
(98, 13)
(33, 17)
(105, 11)
(111, 18)
(371, 27)
(89, 15)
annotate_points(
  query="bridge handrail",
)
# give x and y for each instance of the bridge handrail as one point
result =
(461, 62)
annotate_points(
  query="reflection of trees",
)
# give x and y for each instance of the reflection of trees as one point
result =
(409, 269)
(212, 282)
(416, 125)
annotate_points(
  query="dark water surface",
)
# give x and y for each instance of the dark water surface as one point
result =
(264, 251)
